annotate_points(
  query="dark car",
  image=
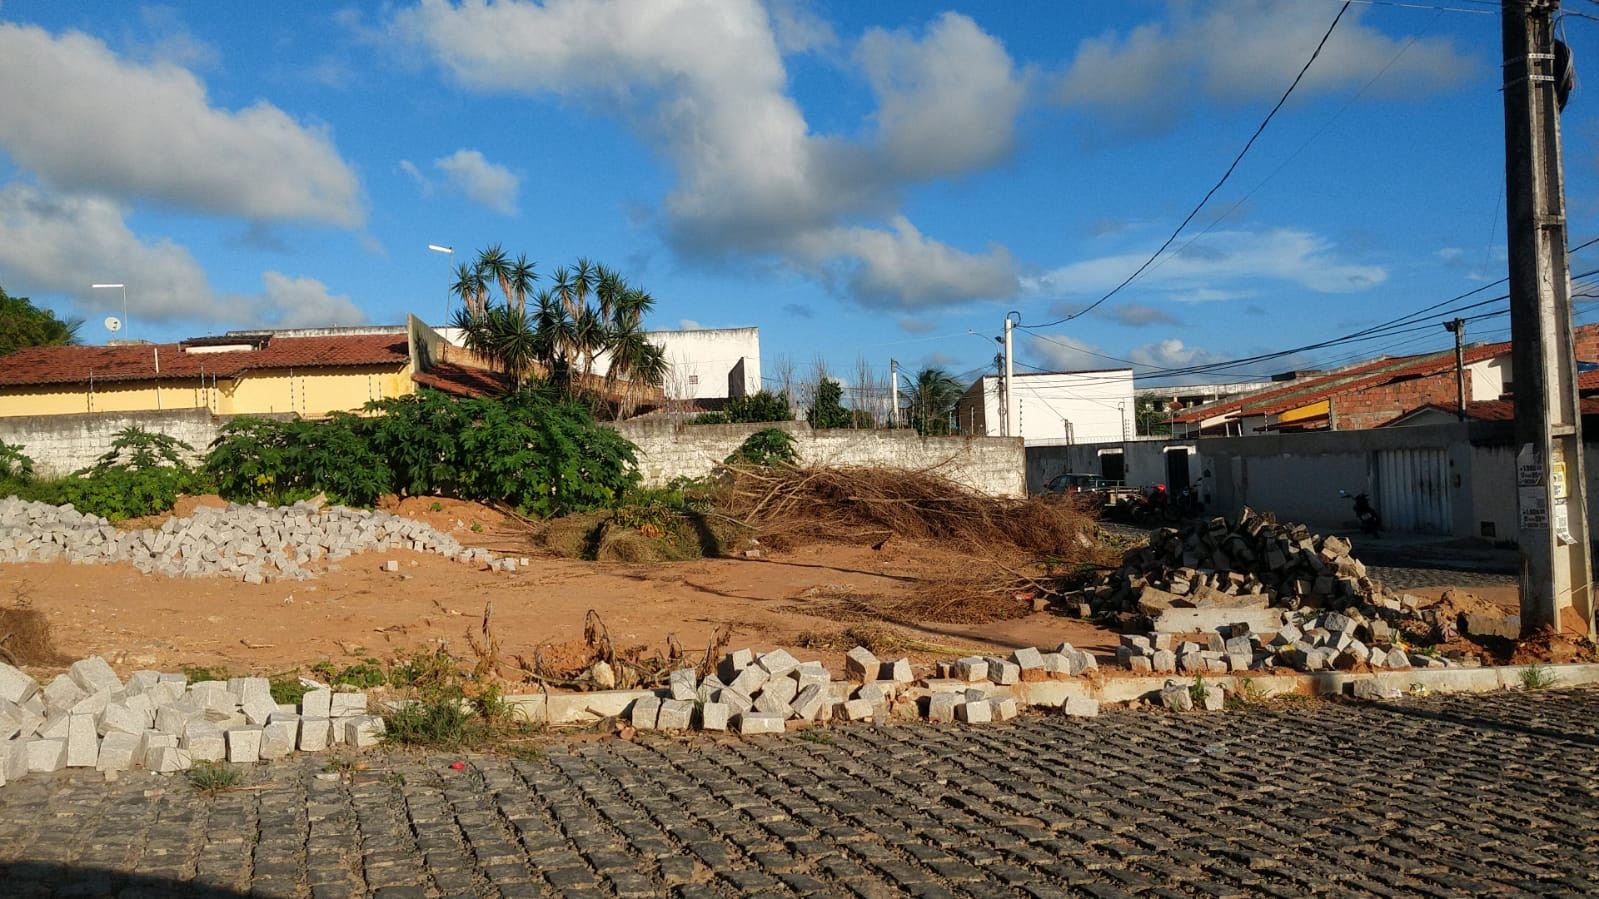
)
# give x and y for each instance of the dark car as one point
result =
(1080, 483)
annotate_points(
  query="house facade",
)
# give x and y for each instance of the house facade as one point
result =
(1054, 408)
(304, 373)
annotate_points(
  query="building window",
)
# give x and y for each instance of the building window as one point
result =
(693, 380)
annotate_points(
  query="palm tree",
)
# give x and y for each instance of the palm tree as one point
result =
(637, 360)
(471, 287)
(933, 394)
(519, 282)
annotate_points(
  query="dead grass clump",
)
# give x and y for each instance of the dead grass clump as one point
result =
(881, 641)
(25, 634)
(789, 506)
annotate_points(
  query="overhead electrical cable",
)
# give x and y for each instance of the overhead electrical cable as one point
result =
(1212, 192)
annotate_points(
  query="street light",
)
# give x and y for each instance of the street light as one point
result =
(124, 288)
(450, 250)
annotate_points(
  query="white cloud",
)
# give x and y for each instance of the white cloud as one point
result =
(89, 121)
(287, 302)
(55, 244)
(46, 243)
(689, 324)
(949, 102)
(480, 181)
(1138, 315)
(903, 268)
(1246, 51)
(704, 82)
(1061, 353)
(1172, 353)
(1203, 271)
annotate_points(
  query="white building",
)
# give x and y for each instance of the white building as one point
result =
(710, 366)
(1054, 408)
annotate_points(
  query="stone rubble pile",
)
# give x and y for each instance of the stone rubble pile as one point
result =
(761, 694)
(254, 544)
(1256, 595)
(90, 718)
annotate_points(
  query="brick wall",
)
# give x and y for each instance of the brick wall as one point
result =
(1370, 408)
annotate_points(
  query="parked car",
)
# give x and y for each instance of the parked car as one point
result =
(1080, 483)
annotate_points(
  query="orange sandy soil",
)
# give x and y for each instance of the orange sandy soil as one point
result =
(355, 610)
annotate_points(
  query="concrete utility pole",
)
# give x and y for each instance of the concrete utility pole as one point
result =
(1013, 413)
(893, 389)
(1556, 569)
(1458, 328)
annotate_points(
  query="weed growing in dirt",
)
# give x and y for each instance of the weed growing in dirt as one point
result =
(211, 778)
(288, 690)
(363, 675)
(1245, 695)
(198, 673)
(1196, 691)
(1538, 677)
(816, 736)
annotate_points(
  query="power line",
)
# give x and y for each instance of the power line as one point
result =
(1225, 175)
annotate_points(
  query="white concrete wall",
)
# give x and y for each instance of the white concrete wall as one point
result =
(1055, 408)
(992, 465)
(62, 444)
(702, 362)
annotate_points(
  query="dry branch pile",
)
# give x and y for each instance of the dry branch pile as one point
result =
(870, 505)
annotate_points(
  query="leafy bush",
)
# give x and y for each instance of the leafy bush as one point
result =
(758, 407)
(828, 411)
(14, 464)
(284, 461)
(768, 446)
(143, 473)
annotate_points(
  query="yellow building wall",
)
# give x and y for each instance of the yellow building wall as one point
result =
(1303, 412)
(311, 393)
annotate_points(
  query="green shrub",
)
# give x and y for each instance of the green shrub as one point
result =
(768, 446)
(142, 474)
(14, 464)
(828, 410)
(757, 407)
(284, 461)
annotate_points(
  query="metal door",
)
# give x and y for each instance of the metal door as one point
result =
(1412, 491)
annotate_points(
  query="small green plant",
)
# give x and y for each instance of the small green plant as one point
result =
(1538, 677)
(198, 673)
(288, 690)
(477, 528)
(14, 464)
(1245, 695)
(1196, 691)
(816, 736)
(768, 446)
(443, 720)
(436, 507)
(211, 778)
(364, 675)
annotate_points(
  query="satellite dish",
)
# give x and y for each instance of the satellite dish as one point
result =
(113, 324)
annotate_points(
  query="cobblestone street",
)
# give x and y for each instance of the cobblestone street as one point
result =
(1440, 796)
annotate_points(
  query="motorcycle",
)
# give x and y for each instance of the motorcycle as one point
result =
(1365, 512)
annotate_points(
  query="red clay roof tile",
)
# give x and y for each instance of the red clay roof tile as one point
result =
(137, 362)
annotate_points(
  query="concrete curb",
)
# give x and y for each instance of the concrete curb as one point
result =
(587, 708)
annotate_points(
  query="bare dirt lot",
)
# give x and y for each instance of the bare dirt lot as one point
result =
(355, 610)
(815, 600)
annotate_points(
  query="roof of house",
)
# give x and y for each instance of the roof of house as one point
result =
(1484, 410)
(139, 362)
(1233, 404)
(463, 380)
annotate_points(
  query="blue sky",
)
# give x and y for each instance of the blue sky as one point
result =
(858, 180)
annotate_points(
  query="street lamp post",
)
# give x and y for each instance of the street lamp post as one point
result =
(124, 288)
(451, 251)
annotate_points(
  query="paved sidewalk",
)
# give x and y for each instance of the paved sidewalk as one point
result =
(1443, 796)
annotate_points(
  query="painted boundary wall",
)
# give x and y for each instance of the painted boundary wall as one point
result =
(1297, 476)
(991, 465)
(62, 444)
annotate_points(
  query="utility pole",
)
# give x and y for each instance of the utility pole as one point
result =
(1012, 401)
(1556, 569)
(1458, 328)
(893, 390)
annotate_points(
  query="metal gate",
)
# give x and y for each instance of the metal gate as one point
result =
(1412, 491)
